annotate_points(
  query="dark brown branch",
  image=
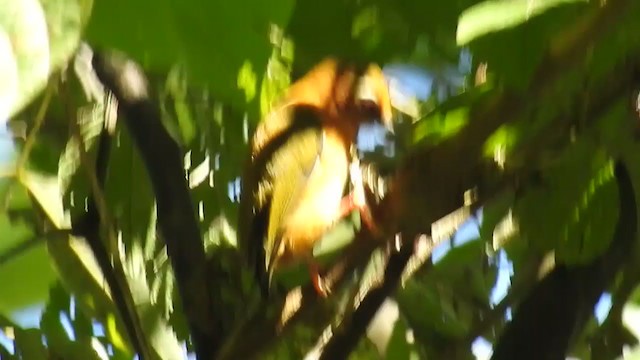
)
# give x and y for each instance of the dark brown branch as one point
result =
(163, 160)
(346, 338)
(560, 305)
(264, 328)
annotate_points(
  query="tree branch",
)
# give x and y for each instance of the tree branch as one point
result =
(560, 305)
(344, 341)
(456, 165)
(163, 160)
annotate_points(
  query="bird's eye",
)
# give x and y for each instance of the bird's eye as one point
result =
(368, 108)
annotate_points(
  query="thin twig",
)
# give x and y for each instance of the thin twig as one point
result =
(108, 256)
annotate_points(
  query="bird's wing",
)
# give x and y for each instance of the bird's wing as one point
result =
(272, 183)
(292, 167)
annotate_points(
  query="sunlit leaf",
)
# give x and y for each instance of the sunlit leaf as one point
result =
(493, 15)
(37, 38)
(46, 191)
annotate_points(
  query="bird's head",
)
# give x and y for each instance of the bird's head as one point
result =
(372, 97)
(347, 91)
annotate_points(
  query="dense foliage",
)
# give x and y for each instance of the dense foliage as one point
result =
(529, 132)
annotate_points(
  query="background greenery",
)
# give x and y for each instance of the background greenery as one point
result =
(563, 73)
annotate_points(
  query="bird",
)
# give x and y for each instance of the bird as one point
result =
(302, 156)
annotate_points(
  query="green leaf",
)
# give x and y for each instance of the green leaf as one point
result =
(567, 189)
(36, 39)
(495, 15)
(29, 344)
(46, 191)
(435, 313)
(493, 213)
(466, 271)
(441, 125)
(514, 52)
(401, 345)
(50, 323)
(30, 267)
(592, 229)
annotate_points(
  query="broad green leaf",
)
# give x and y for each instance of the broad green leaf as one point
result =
(46, 191)
(465, 268)
(593, 226)
(14, 232)
(402, 343)
(514, 53)
(496, 15)
(30, 267)
(567, 188)
(37, 38)
(426, 311)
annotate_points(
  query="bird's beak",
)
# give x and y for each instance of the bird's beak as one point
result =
(373, 87)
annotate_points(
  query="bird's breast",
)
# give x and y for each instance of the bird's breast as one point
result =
(319, 205)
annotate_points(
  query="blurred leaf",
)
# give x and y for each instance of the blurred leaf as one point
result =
(30, 267)
(592, 229)
(490, 16)
(438, 126)
(401, 345)
(434, 314)
(154, 323)
(13, 196)
(514, 53)
(82, 277)
(493, 213)
(58, 340)
(14, 232)
(215, 39)
(175, 109)
(566, 187)
(465, 268)
(29, 344)
(46, 191)
(36, 39)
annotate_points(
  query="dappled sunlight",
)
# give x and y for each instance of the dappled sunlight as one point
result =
(318, 180)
